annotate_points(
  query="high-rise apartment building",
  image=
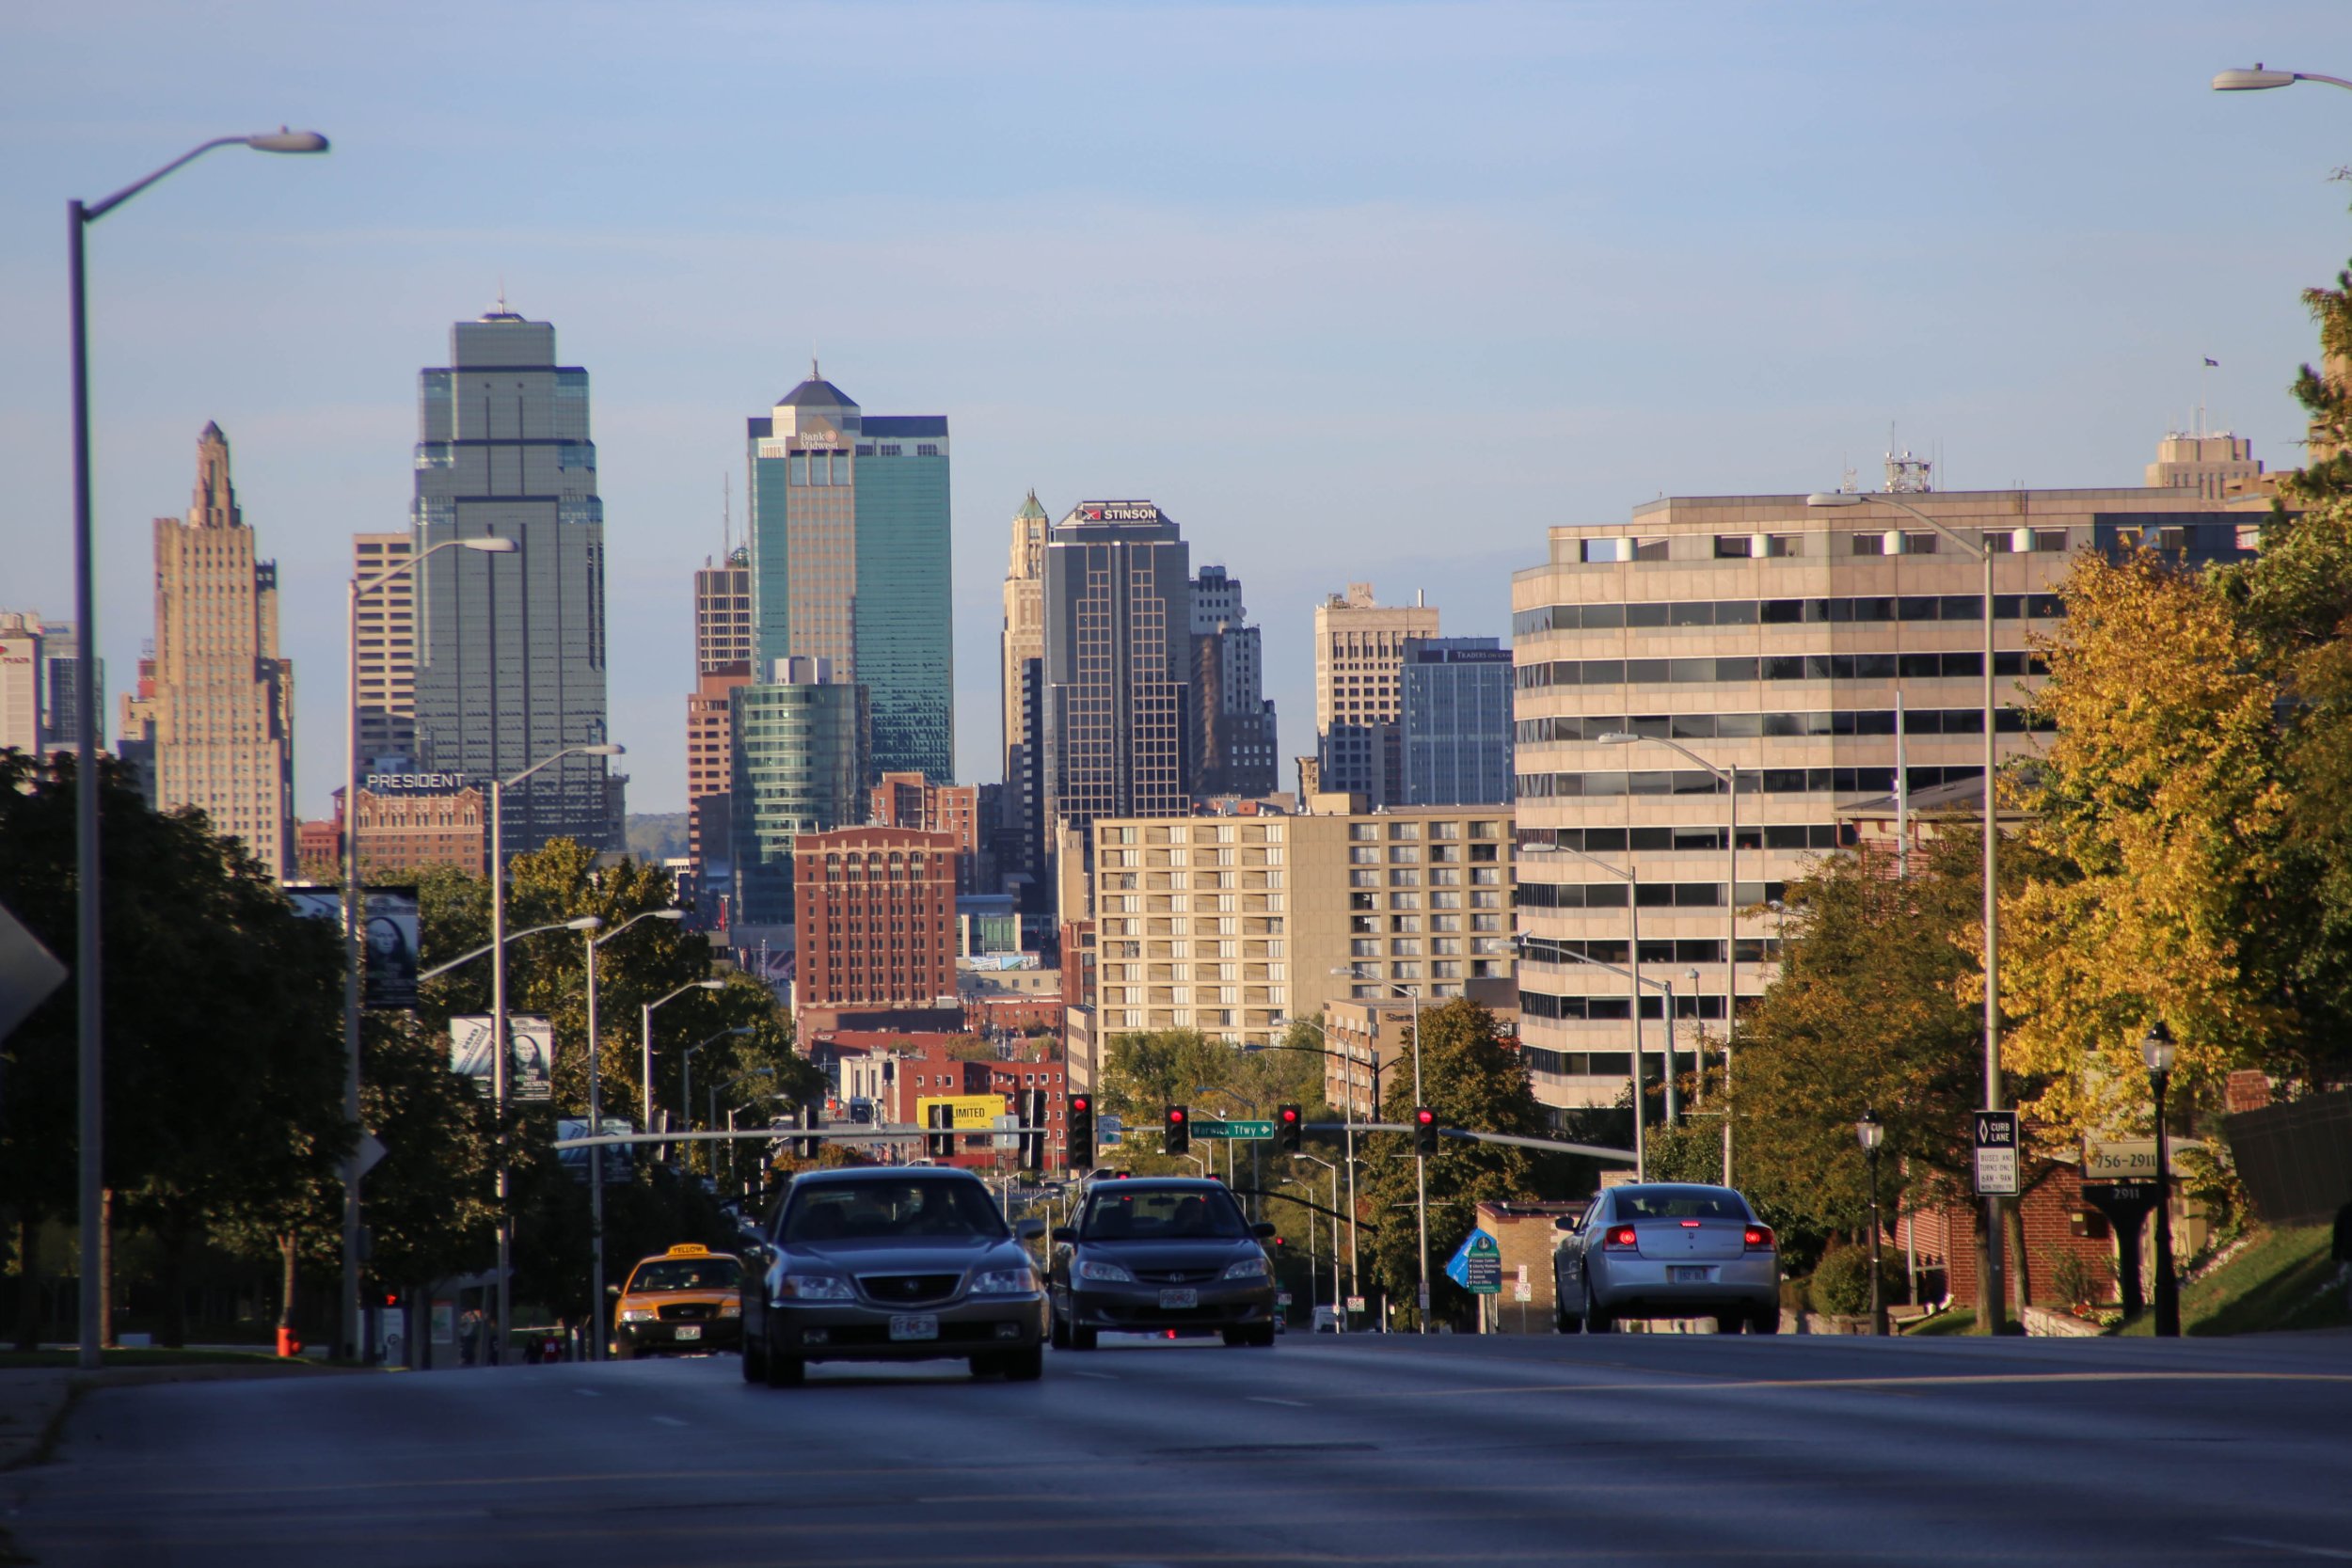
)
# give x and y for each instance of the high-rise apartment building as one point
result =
(1116, 715)
(511, 648)
(386, 624)
(1359, 654)
(800, 765)
(224, 699)
(1231, 925)
(1233, 741)
(1454, 720)
(1782, 640)
(911, 801)
(20, 725)
(850, 561)
(875, 912)
(723, 661)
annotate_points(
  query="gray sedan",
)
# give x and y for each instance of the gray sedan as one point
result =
(891, 1265)
(1658, 1250)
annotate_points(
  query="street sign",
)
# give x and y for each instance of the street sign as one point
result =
(1477, 1264)
(368, 1154)
(28, 973)
(2119, 1159)
(1282, 1298)
(1355, 1304)
(1522, 1291)
(1996, 1137)
(1236, 1130)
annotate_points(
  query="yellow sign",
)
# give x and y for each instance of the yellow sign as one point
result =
(2120, 1160)
(968, 1113)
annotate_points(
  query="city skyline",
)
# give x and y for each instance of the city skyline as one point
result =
(1590, 313)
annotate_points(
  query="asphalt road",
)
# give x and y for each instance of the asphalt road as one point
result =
(1545, 1449)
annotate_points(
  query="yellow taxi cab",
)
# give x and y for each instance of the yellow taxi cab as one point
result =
(681, 1301)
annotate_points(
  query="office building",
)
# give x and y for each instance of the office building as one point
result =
(1117, 692)
(2217, 467)
(875, 910)
(850, 563)
(723, 612)
(911, 801)
(385, 652)
(1022, 637)
(412, 821)
(224, 697)
(1234, 739)
(1780, 640)
(1230, 924)
(1453, 721)
(21, 717)
(800, 765)
(723, 661)
(511, 648)
(1359, 655)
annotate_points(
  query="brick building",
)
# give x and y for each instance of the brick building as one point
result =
(912, 800)
(403, 830)
(2057, 1221)
(875, 913)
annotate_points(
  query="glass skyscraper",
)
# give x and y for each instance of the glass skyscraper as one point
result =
(798, 765)
(1456, 721)
(850, 558)
(510, 649)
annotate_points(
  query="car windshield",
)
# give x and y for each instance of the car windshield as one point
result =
(880, 1210)
(687, 1273)
(1678, 1203)
(1127, 1214)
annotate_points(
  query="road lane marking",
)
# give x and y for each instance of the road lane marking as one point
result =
(2297, 1549)
(1268, 1398)
(1951, 1381)
(669, 1421)
(1105, 1377)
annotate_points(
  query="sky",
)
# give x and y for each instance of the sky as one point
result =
(1355, 291)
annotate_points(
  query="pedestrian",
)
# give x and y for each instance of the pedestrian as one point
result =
(470, 1336)
(2343, 1252)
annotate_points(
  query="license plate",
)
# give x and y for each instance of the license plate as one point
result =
(1689, 1274)
(924, 1325)
(690, 1331)
(1171, 1299)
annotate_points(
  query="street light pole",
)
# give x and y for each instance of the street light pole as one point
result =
(645, 1037)
(2156, 1050)
(90, 957)
(1870, 1133)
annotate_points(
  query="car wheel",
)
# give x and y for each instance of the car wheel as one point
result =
(1262, 1338)
(1731, 1323)
(782, 1371)
(1765, 1322)
(1599, 1322)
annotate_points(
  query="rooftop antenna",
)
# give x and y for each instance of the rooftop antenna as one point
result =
(726, 515)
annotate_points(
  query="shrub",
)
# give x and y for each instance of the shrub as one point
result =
(2074, 1278)
(1840, 1285)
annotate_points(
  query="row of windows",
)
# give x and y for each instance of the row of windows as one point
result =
(1776, 726)
(1865, 609)
(1767, 781)
(1546, 950)
(1775, 836)
(1773, 667)
(1659, 895)
(1756, 547)
(1602, 1010)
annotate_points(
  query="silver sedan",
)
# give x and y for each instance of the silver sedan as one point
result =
(1668, 1250)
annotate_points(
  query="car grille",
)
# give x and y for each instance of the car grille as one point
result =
(688, 1311)
(1175, 1276)
(909, 1289)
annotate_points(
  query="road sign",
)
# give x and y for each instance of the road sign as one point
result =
(1477, 1264)
(28, 973)
(1996, 1153)
(1282, 1298)
(1236, 1130)
(1522, 1291)
(1355, 1304)
(2119, 1159)
(368, 1154)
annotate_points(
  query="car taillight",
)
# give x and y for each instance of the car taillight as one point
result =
(1619, 1237)
(1758, 1238)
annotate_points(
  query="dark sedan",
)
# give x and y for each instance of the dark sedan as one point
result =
(890, 1265)
(1160, 1255)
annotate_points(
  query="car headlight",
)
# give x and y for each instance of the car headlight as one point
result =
(1249, 1268)
(1004, 1282)
(732, 1308)
(814, 1287)
(637, 1314)
(1109, 1273)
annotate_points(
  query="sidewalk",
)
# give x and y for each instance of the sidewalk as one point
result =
(34, 1399)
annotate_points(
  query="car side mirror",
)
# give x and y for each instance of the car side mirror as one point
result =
(1263, 1230)
(1029, 1229)
(1065, 1233)
(1566, 1223)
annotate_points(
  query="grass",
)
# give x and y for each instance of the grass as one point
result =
(66, 1359)
(2283, 1280)
(1960, 1320)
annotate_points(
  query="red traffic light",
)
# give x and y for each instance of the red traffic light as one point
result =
(1287, 1113)
(1176, 1116)
(1426, 1116)
(1081, 1103)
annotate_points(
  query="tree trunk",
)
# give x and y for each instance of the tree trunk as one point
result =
(28, 1278)
(286, 1255)
(105, 1270)
(2013, 1238)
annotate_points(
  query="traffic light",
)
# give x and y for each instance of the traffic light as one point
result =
(1178, 1137)
(939, 1144)
(1080, 1137)
(1288, 1124)
(1424, 1130)
(806, 1149)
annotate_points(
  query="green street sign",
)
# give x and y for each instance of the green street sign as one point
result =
(1241, 1129)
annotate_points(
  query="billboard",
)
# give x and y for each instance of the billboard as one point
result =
(968, 1113)
(530, 1073)
(388, 938)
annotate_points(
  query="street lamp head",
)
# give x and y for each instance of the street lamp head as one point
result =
(604, 749)
(491, 545)
(2157, 1048)
(1835, 498)
(585, 923)
(283, 140)
(2255, 80)
(1869, 1131)
(710, 985)
(1618, 737)
(669, 914)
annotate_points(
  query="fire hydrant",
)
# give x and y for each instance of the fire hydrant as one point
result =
(288, 1343)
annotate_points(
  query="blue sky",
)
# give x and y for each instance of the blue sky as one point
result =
(1355, 291)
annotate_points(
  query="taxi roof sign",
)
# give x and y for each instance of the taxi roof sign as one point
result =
(688, 1249)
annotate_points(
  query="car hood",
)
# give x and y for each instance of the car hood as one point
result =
(1205, 1251)
(899, 1256)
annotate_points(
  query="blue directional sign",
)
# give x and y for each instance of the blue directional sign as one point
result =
(1477, 1264)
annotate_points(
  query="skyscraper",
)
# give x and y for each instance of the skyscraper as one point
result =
(1117, 712)
(723, 661)
(1454, 721)
(386, 652)
(1233, 741)
(723, 612)
(850, 563)
(1023, 635)
(224, 699)
(510, 650)
(1359, 650)
(20, 681)
(800, 765)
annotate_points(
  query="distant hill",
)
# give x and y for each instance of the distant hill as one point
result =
(657, 836)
